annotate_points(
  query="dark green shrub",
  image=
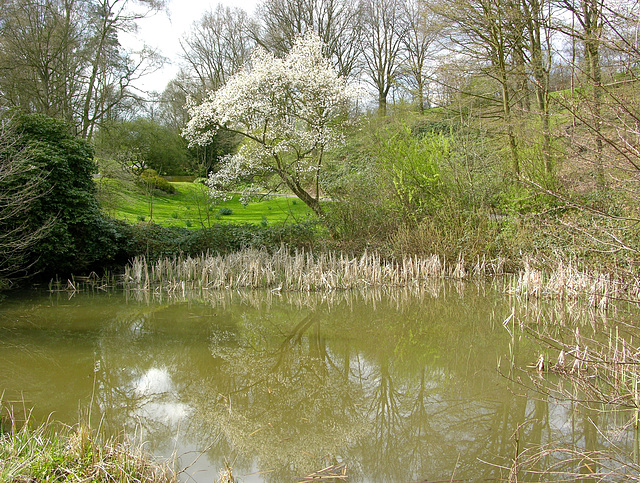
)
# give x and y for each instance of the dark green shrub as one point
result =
(78, 238)
(224, 211)
(155, 241)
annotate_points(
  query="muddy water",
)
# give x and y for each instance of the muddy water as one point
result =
(400, 387)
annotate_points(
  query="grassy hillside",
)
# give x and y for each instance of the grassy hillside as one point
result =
(190, 207)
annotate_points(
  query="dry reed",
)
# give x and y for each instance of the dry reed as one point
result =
(555, 462)
(299, 271)
(308, 272)
(599, 374)
(565, 281)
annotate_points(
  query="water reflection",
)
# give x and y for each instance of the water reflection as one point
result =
(400, 386)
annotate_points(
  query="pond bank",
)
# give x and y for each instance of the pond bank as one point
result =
(57, 452)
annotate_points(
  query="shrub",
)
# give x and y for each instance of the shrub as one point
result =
(150, 179)
(78, 238)
(224, 211)
(155, 241)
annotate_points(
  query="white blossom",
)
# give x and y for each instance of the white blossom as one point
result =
(290, 112)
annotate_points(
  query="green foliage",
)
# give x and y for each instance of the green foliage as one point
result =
(146, 143)
(225, 211)
(78, 237)
(54, 452)
(155, 241)
(414, 164)
(150, 180)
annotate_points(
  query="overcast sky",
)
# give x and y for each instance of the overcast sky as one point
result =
(164, 32)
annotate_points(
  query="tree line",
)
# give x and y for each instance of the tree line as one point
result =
(64, 59)
(517, 109)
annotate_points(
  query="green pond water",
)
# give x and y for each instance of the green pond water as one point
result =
(401, 387)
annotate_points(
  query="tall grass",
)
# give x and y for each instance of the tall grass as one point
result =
(598, 374)
(565, 281)
(299, 271)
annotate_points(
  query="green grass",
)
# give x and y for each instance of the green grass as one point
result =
(190, 207)
(54, 452)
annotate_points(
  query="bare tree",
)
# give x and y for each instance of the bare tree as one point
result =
(589, 14)
(41, 70)
(20, 188)
(111, 70)
(62, 58)
(536, 16)
(418, 42)
(338, 23)
(484, 32)
(218, 46)
(384, 34)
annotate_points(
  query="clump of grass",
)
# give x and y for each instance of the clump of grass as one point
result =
(53, 452)
(224, 211)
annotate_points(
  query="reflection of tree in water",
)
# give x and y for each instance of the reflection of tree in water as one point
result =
(371, 382)
(290, 406)
(389, 397)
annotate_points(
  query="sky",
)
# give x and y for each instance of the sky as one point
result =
(164, 30)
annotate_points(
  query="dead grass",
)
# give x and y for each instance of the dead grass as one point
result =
(566, 282)
(299, 271)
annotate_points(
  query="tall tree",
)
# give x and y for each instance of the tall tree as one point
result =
(218, 46)
(484, 31)
(338, 23)
(537, 19)
(383, 37)
(62, 58)
(41, 55)
(418, 41)
(591, 21)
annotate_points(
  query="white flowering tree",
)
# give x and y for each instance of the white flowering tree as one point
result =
(290, 111)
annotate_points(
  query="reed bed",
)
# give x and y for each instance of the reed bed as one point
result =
(565, 281)
(299, 271)
(554, 462)
(92, 283)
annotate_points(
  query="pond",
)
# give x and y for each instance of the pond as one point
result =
(399, 386)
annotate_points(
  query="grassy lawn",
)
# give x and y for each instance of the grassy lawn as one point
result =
(189, 207)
